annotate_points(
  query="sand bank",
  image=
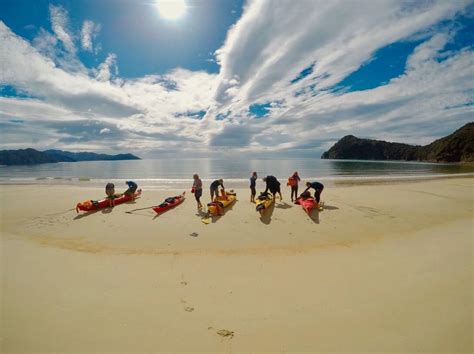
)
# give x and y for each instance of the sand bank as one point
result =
(382, 268)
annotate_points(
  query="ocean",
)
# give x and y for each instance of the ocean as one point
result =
(173, 173)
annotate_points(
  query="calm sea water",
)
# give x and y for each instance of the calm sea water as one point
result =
(168, 172)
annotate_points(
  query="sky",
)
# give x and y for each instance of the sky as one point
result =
(250, 78)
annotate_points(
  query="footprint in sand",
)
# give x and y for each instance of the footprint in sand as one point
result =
(226, 333)
(187, 308)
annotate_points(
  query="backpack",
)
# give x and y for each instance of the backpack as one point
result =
(293, 182)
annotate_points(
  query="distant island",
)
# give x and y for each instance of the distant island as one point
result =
(457, 147)
(33, 157)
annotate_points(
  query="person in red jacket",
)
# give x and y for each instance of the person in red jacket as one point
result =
(293, 183)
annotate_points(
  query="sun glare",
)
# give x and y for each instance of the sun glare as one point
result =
(171, 9)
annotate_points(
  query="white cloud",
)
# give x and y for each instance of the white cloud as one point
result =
(274, 41)
(89, 32)
(108, 68)
(60, 24)
(264, 51)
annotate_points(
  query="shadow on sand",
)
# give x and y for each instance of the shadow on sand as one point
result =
(314, 215)
(266, 214)
(283, 205)
(87, 213)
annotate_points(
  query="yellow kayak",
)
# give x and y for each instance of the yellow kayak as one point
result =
(217, 206)
(263, 202)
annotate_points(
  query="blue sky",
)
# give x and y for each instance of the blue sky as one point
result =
(263, 77)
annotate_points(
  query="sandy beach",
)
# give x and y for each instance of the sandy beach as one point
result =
(385, 267)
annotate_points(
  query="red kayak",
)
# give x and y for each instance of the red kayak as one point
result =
(169, 203)
(91, 205)
(307, 204)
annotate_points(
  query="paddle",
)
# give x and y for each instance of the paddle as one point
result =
(130, 211)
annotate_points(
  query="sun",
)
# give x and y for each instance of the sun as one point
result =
(171, 9)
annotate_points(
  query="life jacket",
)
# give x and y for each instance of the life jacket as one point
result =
(293, 182)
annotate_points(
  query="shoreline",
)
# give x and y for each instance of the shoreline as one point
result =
(176, 184)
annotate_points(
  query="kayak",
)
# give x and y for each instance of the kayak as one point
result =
(219, 203)
(264, 200)
(307, 204)
(91, 205)
(169, 203)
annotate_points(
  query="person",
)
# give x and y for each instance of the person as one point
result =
(132, 188)
(197, 190)
(215, 186)
(253, 191)
(318, 189)
(110, 192)
(272, 185)
(293, 183)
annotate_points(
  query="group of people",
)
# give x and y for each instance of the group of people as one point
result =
(214, 189)
(111, 195)
(272, 185)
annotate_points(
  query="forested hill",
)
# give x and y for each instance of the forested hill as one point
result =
(456, 147)
(32, 156)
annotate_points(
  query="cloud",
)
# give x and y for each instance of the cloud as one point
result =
(89, 32)
(147, 109)
(108, 68)
(277, 90)
(60, 24)
(262, 61)
(337, 36)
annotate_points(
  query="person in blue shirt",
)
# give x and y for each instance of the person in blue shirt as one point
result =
(253, 191)
(132, 188)
(318, 189)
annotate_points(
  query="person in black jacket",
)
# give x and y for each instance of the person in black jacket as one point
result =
(215, 186)
(272, 185)
(132, 188)
(318, 189)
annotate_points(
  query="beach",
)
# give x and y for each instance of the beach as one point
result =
(384, 267)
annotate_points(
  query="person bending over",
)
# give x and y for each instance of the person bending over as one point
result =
(318, 189)
(272, 185)
(132, 188)
(215, 186)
